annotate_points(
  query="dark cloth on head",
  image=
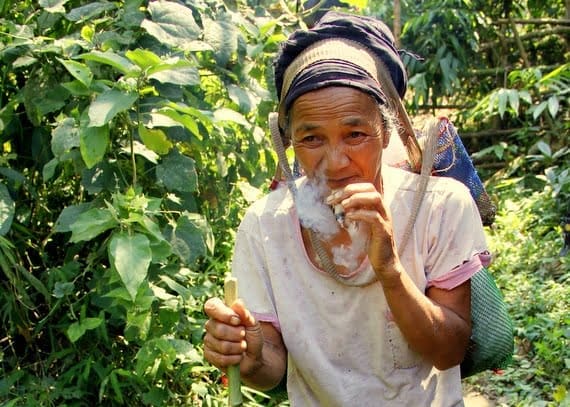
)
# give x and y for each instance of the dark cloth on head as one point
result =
(366, 31)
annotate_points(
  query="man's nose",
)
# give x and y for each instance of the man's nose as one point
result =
(336, 158)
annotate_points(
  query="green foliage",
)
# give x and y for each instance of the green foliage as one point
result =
(129, 131)
(526, 240)
(132, 137)
(447, 52)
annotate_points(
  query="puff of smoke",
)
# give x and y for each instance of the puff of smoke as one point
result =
(315, 214)
(311, 209)
(348, 255)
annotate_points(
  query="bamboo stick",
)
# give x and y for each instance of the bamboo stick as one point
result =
(235, 396)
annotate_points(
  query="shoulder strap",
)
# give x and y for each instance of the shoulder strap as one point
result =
(431, 130)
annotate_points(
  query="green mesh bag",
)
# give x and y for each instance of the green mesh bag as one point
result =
(492, 340)
(491, 343)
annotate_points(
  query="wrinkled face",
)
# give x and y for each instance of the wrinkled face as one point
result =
(337, 134)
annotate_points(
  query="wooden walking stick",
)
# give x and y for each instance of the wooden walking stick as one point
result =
(235, 397)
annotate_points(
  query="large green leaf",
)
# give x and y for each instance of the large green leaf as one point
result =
(177, 75)
(53, 6)
(191, 237)
(79, 71)
(89, 10)
(144, 58)
(68, 216)
(171, 24)
(7, 207)
(78, 329)
(64, 137)
(177, 173)
(91, 223)
(222, 35)
(131, 255)
(229, 115)
(118, 62)
(155, 140)
(93, 143)
(107, 105)
(184, 119)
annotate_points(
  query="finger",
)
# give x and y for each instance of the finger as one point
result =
(339, 195)
(226, 347)
(224, 331)
(364, 200)
(220, 360)
(246, 318)
(216, 309)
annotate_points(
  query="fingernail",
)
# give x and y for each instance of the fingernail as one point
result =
(234, 320)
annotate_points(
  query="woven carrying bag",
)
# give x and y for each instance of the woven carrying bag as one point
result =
(491, 343)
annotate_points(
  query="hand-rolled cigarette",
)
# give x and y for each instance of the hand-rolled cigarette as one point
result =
(339, 214)
(235, 396)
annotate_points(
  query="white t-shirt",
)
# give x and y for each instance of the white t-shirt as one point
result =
(344, 349)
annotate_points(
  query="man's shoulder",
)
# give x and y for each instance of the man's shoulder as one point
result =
(409, 181)
(274, 202)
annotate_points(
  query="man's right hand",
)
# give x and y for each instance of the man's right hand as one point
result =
(232, 336)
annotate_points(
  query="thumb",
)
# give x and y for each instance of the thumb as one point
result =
(253, 331)
(246, 318)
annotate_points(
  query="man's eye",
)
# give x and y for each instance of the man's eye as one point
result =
(356, 135)
(309, 139)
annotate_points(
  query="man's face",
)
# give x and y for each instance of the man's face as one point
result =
(337, 135)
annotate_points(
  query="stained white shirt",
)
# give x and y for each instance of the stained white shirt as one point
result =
(343, 347)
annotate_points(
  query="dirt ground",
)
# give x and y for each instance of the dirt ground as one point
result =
(474, 399)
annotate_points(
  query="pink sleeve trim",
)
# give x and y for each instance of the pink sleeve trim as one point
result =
(268, 318)
(461, 274)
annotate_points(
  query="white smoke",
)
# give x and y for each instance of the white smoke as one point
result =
(348, 255)
(312, 210)
(315, 214)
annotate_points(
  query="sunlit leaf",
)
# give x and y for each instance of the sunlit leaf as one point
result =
(93, 144)
(222, 35)
(68, 216)
(79, 71)
(143, 58)
(184, 119)
(7, 208)
(64, 137)
(91, 223)
(361, 4)
(172, 23)
(89, 10)
(245, 99)
(553, 105)
(107, 105)
(538, 109)
(53, 6)
(190, 238)
(544, 148)
(229, 115)
(155, 139)
(177, 173)
(118, 62)
(514, 99)
(78, 329)
(142, 150)
(184, 75)
(503, 97)
(131, 256)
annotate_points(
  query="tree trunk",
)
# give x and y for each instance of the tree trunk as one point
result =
(398, 21)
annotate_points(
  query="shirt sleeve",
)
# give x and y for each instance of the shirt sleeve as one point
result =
(250, 269)
(457, 247)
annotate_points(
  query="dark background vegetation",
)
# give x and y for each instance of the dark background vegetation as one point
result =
(133, 135)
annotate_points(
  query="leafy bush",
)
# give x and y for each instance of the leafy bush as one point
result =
(527, 240)
(132, 139)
